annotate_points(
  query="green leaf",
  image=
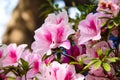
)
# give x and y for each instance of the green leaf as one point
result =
(99, 52)
(45, 57)
(36, 78)
(116, 21)
(112, 59)
(110, 25)
(91, 63)
(25, 64)
(11, 78)
(97, 64)
(56, 5)
(106, 66)
(50, 3)
(72, 63)
(107, 52)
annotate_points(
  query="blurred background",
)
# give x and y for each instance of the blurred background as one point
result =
(20, 18)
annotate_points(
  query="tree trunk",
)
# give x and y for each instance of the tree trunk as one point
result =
(23, 22)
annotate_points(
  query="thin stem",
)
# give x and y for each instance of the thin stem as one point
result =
(25, 77)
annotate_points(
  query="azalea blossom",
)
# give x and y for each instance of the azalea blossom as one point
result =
(51, 35)
(57, 71)
(34, 61)
(76, 36)
(92, 52)
(92, 77)
(111, 6)
(60, 53)
(13, 54)
(3, 53)
(49, 59)
(73, 51)
(57, 19)
(90, 28)
(98, 74)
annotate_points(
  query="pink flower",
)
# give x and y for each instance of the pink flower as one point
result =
(34, 60)
(57, 19)
(13, 54)
(73, 51)
(49, 59)
(51, 35)
(76, 36)
(98, 74)
(3, 52)
(115, 32)
(92, 77)
(90, 28)
(91, 52)
(57, 71)
(111, 6)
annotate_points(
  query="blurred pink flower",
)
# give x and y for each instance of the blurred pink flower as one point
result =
(98, 74)
(89, 28)
(13, 54)
(57, 71)
(51, 35)
(115, 32)
(3, 53)
(111, 6)
(92, 77)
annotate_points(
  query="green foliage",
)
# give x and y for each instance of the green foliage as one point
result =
(36, 78)
(103, 60)
(24, 65)
(111, 25)
(80, 62)
(116, 21)
(48, 8)
(19, 70)
(106, 66)
(90, 63)
(113, 59)
(45, 57)
(72, 63)
(86, 9)
(97, 64)
(99, 52)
